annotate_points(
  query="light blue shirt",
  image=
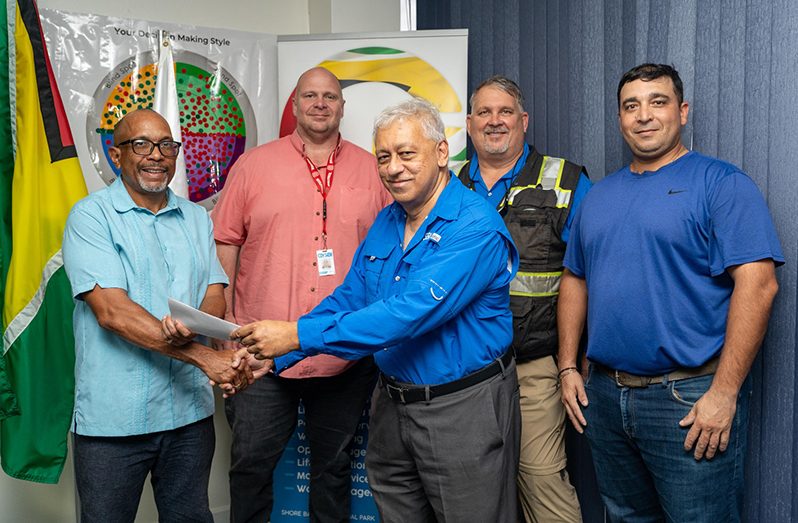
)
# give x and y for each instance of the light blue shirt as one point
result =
(430, 313)
(122, 389)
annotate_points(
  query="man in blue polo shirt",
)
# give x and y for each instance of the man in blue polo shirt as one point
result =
(143, 403)
(672, 263)
(427, 294)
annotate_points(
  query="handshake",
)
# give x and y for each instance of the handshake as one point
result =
(237, 363)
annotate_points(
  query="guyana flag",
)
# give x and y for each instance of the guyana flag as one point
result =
(40, 180)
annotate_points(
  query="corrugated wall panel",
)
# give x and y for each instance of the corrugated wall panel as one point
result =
(739, 62)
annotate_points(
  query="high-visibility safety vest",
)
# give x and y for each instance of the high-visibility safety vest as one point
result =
(535, 210)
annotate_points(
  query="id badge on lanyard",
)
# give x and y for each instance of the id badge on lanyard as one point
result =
(325, 260)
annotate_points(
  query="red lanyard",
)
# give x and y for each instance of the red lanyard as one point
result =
(324, 186)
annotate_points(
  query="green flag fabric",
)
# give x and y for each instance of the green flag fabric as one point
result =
(37, 378)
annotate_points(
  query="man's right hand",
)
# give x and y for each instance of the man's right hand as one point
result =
(228, 369)
(259, 367)
(572, 388)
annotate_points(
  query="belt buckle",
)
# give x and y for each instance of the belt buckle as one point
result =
(400, 390)
(631, 381)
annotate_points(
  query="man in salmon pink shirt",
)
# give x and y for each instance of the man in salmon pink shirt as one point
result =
(290, 218)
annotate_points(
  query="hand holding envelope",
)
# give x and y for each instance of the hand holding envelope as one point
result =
(185, 322)
(200, 322)
(268, 339)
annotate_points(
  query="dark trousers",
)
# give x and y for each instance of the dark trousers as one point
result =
(110, 474)
(452, 459)
(263, 418)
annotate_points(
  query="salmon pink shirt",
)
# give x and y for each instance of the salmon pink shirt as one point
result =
(272, 209)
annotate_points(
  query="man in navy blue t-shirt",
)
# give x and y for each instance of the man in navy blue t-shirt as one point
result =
(671, 261)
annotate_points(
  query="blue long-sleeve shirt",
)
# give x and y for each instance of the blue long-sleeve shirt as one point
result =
(430, 313)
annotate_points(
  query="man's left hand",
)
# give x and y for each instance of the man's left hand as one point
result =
(175, 332)
(711, 419)
(268, 339)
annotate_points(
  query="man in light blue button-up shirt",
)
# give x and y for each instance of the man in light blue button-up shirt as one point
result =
(143, 402)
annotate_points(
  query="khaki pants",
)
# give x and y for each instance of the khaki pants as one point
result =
(544, 488)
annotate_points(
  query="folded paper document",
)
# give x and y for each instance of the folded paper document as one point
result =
(201, 322)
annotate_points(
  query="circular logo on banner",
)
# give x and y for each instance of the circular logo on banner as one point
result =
(373, 78)
(217, 122)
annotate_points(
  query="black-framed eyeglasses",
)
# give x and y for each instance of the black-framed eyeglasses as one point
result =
(143, 147)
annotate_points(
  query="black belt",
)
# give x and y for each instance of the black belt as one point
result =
(409, 393)
(625, 379)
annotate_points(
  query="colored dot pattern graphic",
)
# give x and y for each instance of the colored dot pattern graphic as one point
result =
(211, 122)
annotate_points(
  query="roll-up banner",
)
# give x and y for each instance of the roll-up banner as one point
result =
(375, 71)
(380, 69)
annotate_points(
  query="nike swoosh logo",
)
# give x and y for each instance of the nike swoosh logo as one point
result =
(676, 192)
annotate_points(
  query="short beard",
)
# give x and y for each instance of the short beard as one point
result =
(497, 149)
(153, 188)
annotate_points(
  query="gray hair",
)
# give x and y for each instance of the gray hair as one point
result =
(414, 109)
(504, 84)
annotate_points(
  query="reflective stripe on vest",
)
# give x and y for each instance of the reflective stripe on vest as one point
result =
(549, 179)
(536, 284)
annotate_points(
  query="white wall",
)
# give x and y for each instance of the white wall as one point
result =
(260, 16)
(25, 502)
(353, 16)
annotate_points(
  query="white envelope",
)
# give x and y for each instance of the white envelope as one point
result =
(201, 322)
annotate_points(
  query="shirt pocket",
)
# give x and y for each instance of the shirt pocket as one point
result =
(375, 269)
(417, 259)
(358, 206)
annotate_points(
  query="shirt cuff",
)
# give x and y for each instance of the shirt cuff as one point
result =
(309, 333)
(288, 360)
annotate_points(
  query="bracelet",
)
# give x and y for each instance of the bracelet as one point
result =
(566, 371)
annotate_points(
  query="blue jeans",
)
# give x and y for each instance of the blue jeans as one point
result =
(110, 474)
(263, 418)
(644, 473)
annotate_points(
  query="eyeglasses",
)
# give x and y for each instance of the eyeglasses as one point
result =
(142, 147)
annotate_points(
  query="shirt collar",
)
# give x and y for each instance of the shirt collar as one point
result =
(299, 145)
(475, 175)
(122, 201)
(447, 207)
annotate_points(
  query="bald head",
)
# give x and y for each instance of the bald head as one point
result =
(125, 126)
(316, 74)
(318, 105)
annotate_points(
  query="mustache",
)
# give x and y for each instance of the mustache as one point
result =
(496, 128)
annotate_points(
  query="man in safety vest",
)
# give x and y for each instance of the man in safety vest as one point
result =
(537, 196)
